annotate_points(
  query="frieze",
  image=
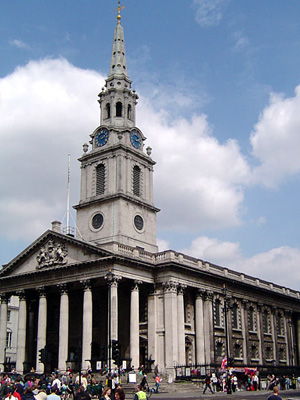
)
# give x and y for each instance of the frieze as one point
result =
(53, 253)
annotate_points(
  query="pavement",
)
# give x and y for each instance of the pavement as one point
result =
(241, 395)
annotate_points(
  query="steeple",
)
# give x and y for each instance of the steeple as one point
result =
(118, 66)
(117, 100)
(116, 199)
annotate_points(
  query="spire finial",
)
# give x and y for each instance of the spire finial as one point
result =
(119, 11)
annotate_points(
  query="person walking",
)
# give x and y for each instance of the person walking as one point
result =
(157, 382)
(140, 394)
(207, 383)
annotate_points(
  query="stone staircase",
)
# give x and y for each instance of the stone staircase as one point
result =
(164, 387)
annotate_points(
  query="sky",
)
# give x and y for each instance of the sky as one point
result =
(219, 102)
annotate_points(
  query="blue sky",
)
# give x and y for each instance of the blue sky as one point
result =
(219, 104)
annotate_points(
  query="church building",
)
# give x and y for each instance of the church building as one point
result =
(108, 287)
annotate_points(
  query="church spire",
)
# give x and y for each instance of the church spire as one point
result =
(118, 65)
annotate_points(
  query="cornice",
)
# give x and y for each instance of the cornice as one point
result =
(107, 198)
(94, 154)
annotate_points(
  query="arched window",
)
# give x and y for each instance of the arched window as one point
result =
(235, 316)
(265, 322)
(253, 351)
(119, 109)
(279, 324)
(268, 353)
(217, 312)
(219, 349)
(136, 180)
(129, 111)
(100, 179)
(107, 110)
(251, 319)
(237, 350)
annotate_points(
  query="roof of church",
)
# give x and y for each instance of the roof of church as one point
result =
(46, 236)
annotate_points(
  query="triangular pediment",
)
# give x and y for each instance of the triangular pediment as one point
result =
(52, 250)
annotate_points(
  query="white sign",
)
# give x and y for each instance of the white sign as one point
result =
(132, 378)
(124, 364)
(98, 365)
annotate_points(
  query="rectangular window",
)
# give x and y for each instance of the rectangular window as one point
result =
(8, 315)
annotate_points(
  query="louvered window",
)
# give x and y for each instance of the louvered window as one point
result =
(100, 179)
(136, 181)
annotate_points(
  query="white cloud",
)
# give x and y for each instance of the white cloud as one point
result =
(209, 12)
(280, 265)
(19, 44)
(196, 178)
(240, 41)
(276, 140)
(48, 108)
(215, 251)
(163, 245)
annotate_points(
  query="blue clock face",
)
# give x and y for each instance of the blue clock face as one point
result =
(135, 139)
(101, 137)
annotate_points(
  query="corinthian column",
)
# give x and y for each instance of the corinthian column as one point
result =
(181, 326)
(112, 281)
(42, 327)
(208, 327)
(199, 324)
(21, 344)
(171, 325)
(87, 325)
(63, 340)
(3, 330)
(134, 325)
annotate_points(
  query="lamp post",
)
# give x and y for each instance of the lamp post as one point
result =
(292, 341)
(110, 278)
(226, 309)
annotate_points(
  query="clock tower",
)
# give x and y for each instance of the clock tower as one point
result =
(116, 196)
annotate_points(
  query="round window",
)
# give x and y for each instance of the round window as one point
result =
(97, 221)
(138, 222)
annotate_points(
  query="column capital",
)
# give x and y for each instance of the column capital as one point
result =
(181, 288)
(112, 279)
(41, 291)
(135, 286)
(208, 295)
(21, 294)
(153, 290)
(170, 286)
(200, 293)
(62, 287)
(4, 298)
(86, 283)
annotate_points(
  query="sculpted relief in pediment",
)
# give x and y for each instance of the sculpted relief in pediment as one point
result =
(52, 253)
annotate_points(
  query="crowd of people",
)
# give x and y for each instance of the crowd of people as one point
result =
(230, 382)
(68, 386)
(58, 387)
